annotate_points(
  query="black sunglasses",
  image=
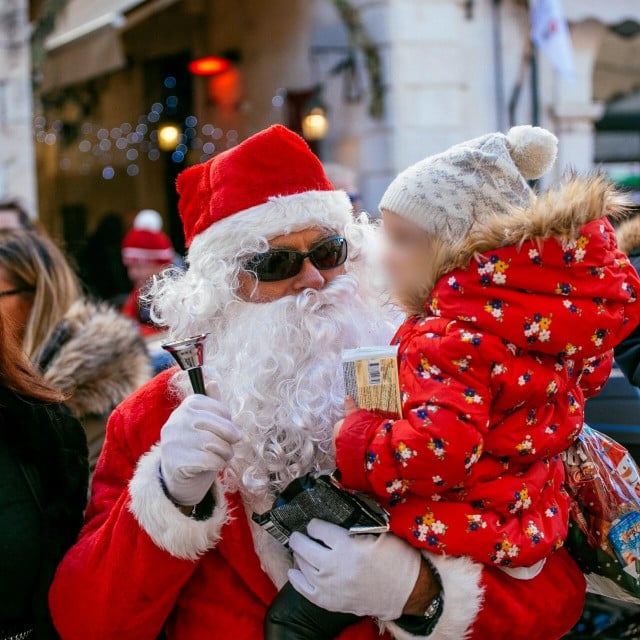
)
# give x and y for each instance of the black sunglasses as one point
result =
(281, 264)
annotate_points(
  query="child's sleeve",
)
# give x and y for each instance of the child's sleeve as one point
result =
(445, 382)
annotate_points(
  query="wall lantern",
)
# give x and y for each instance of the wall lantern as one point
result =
(209, 66)
(168, 136)
(223, 76)
(315, 124)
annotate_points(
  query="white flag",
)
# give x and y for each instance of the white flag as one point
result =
(550, 34)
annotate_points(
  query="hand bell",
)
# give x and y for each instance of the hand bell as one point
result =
(189, 354)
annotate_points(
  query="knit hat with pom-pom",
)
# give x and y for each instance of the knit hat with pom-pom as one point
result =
(446, 193)
(146, 242)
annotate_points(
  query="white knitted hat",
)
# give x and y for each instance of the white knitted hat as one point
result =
(446, 193)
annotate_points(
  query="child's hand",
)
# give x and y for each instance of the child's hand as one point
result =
(350, 407)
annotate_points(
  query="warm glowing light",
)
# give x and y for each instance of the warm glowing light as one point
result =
(209, 66)
(315, 125)
(168, 137)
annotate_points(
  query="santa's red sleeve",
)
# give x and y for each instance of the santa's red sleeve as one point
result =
(484, 602)
(136, 550)
(445, 383)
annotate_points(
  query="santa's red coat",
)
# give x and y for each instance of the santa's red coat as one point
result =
(141, 565)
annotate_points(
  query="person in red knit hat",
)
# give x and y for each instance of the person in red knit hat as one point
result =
(284, 279)
(146, 251)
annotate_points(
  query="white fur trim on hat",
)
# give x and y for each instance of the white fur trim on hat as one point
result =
(148, 219)
(171, 530)
(461, 595)
(154, 255)
(533, 150)
(279, 216)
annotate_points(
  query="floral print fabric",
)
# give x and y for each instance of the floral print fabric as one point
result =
(494, 378)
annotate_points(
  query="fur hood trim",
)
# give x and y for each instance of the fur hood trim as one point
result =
(559, 213)
(628, 235)
(101, 361)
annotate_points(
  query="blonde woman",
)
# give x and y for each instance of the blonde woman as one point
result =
(87, 351)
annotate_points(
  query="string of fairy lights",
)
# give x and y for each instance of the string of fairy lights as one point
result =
(124, 146)
(122, 149)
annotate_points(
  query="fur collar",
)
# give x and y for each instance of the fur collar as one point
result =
(560, 212)
(101, 361)
(628, 235)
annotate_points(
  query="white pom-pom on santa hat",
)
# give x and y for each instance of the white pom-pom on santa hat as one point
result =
(533, 150)
(148, 219)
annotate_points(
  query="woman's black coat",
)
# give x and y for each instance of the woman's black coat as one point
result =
(51, 449)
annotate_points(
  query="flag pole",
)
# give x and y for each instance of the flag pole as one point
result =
(525, 61)
(535, 94)
(535, 87)
(498, 64)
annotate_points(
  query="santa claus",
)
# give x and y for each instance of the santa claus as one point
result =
(284, 279)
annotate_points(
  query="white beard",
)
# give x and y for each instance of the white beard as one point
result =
(278, 368)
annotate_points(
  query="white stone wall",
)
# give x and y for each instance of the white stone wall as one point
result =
(371, 150)
(441, 81)
(17, 172)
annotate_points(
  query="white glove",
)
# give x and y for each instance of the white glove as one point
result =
(196, 443)
(364, 575)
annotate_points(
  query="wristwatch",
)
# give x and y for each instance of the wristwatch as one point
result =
(434, 609)
(201, 511)
(422, 625)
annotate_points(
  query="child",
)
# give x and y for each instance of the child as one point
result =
(515, 303)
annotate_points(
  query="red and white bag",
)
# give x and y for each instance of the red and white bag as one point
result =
(604, 534)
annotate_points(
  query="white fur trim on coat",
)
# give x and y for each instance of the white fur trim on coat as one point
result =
(278, 216)
(462, 599)
(171, 530)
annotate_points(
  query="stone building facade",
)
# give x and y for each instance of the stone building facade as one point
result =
(17, 175)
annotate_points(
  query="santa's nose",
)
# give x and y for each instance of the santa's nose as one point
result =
(309, 277)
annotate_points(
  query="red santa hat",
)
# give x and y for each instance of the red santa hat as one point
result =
(146, 241)
(270, 185)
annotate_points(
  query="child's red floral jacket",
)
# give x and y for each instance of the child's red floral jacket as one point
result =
(493, 377)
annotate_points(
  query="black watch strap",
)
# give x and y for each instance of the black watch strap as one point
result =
(201, 511)
(425, 624)
(421, 625)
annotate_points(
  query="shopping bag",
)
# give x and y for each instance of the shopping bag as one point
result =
(604, 532)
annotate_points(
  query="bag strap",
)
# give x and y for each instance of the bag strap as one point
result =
(59, 337)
